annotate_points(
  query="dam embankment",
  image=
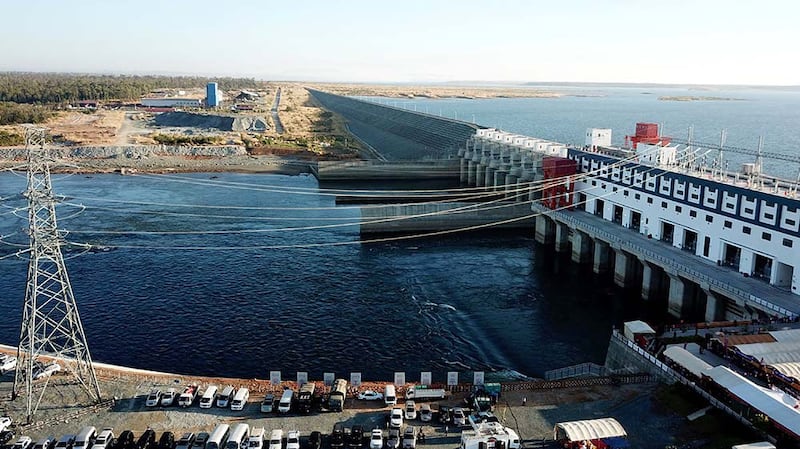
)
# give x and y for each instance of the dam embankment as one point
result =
(397, 134)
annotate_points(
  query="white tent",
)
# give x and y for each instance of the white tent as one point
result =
(687, 360)
(761, 445)
(786, 336)
(772, 352)
(590, 429)
(790, 369)
(778, 406)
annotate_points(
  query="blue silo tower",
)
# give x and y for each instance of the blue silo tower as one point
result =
(212, 95)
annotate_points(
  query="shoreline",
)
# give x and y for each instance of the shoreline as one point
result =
(282, 165)
(256, 384)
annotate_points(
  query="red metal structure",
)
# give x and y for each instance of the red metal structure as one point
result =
(559, 182)
(645, 133)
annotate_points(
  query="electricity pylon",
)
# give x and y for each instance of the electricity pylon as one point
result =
(51, 327)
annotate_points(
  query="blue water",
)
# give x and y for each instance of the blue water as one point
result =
(245, 303)
(772, 114)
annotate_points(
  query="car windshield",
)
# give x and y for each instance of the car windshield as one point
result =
(153, 395)
(255, 443)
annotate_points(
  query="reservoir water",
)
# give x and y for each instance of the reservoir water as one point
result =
(276, 278)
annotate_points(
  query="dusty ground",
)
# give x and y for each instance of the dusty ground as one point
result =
(61, 413)
(78, 128)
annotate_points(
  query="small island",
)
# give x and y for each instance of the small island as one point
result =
(693, 98)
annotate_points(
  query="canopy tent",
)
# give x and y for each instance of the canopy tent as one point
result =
(686, 359)
(590, 429)
(760, 445)
(769, 353)
(786, 336)
(790, 369)
(778, 406)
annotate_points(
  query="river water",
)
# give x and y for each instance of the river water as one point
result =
(276, 278)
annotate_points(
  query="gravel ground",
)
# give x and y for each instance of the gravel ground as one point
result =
(179, 164)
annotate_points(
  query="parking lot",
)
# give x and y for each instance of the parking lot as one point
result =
(60, 412)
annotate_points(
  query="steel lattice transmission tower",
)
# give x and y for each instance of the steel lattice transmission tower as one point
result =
(51, 326)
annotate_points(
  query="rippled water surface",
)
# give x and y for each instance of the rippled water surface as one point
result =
(464, 302)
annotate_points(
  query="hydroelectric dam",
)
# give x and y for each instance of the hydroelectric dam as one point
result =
(709, 244)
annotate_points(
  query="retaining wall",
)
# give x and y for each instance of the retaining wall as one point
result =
(128, 151)
(398, 134)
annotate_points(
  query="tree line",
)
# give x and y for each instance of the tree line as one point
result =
(58, 89)
(13, 113)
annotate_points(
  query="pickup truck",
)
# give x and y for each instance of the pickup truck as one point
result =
(187, 397)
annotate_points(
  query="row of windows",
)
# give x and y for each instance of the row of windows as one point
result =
(710, 219)
(709, 195)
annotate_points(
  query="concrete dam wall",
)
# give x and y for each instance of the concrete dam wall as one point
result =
(397, 134)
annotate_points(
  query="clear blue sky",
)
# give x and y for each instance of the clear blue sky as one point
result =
(664, 41)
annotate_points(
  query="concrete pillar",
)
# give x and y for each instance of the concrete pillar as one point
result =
(491, 167)
(545, 229)
(562, 237)
(475, 165)
(715, 306)
(472, 167)
(649, 281)
(464, 156)
(581, 247)
(511, 185)
(677, 296)
(514, 173)
(624, 271)
(600, 257)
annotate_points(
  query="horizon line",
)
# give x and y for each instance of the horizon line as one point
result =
(472, 83)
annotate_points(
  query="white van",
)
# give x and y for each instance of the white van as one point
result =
(286, 401)
(389, 395)
(208, 397)
(85, 438)
(224, 398)
(276, 439)
(256, 440)
(218, 436)
(240, 399)
(238, 437)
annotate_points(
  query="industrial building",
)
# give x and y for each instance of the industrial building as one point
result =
(213, 95)
(171, 102)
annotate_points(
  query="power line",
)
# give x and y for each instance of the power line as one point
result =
(359, 241)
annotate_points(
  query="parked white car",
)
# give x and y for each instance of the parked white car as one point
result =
(153, 398)
(46, 370)
(396, 418)
(256, 440)
(104, 439)
(293, 439)
(376, 439)
(370, 395)
(425, 413)
(168, 397)
(7, 363)
(411, 410)
(5, 423)
(459, 418)
(22, 443)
